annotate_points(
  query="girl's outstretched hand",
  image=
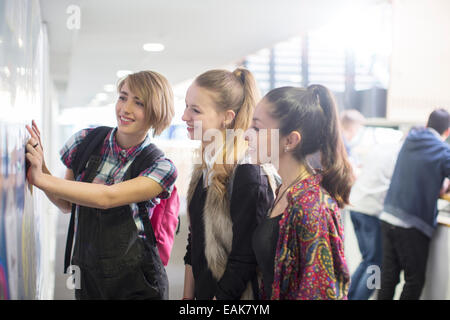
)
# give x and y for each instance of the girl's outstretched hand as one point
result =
(34, 154)
(35, 160)
(35, 133)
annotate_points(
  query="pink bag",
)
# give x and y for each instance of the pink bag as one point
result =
(164, 221)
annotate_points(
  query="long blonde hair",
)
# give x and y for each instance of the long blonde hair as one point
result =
(236, 91)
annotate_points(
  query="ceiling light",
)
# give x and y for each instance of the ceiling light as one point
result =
(101, 96)
(153, 47)
(109, 87)
(123, 73)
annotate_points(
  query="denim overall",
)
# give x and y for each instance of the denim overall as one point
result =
(116, 263)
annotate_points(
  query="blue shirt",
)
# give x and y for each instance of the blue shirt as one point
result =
(422, 164)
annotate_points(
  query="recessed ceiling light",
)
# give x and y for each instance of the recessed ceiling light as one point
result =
(153, 47)
(101, 96)
(109, 87)
(123, 73)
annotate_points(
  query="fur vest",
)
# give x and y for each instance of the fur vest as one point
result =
(218, 226)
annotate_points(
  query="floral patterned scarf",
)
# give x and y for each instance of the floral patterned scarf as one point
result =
(310, 262)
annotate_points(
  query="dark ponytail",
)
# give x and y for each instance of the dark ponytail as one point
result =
(313, 113)
(337, 171)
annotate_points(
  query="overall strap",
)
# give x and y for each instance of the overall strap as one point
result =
(88, 152)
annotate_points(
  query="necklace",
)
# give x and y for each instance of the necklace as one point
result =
(300, 177)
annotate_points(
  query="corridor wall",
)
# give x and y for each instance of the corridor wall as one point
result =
(420, 61)
(27, 232)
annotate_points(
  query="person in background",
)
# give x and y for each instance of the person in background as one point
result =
(114, 246)
(227, 196)
(299, 246)
(366, 204)
(410, 208)
(351, 122)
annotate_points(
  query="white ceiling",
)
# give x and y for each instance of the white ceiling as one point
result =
(197, 35)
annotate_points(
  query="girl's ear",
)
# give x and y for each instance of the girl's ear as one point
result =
(292, 140)
(229, 117)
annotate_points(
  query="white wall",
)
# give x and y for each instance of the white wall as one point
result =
(27, 224)
(420, 64)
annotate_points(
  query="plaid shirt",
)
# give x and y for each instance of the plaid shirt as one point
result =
(114, 164)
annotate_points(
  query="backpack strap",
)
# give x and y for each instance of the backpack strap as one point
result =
(146, 157)
(90, 143)
(88, 152)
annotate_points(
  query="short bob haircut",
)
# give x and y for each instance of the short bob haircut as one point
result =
(154, 90)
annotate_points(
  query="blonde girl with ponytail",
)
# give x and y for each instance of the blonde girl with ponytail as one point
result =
(227, 196)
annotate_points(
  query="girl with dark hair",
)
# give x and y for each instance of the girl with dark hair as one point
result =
(299, 247)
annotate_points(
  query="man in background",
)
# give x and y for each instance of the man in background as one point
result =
(351, 122)
(410, 207)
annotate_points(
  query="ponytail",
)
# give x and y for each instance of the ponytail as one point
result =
(337, 171)
(312, 112)
(250, 96)
(236, 91)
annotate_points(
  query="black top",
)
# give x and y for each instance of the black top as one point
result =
(265, 239)
(251, 199)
